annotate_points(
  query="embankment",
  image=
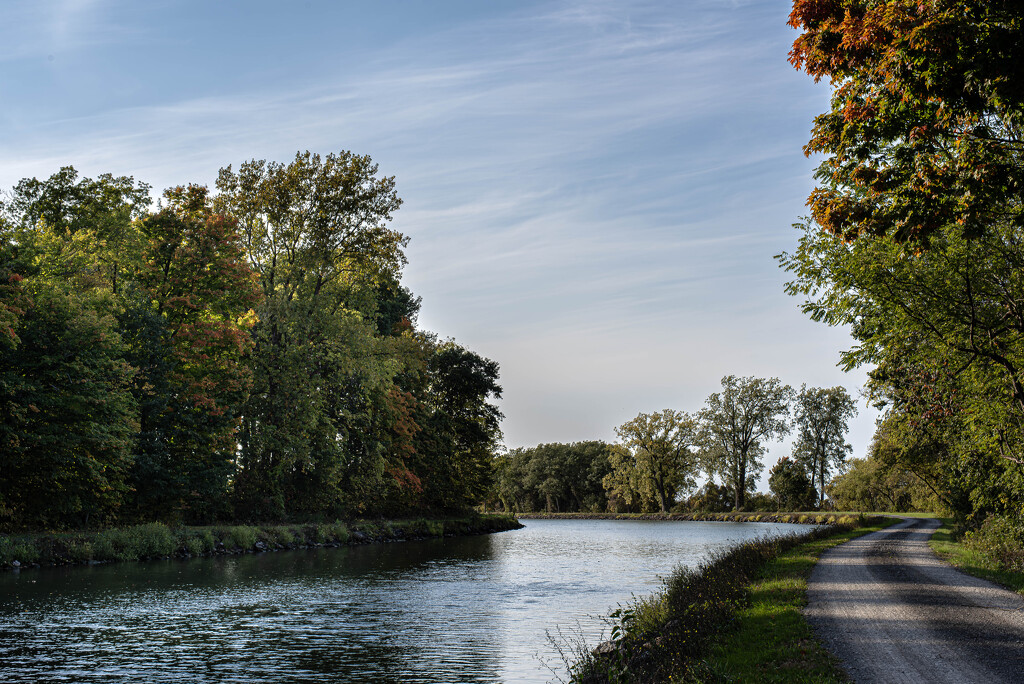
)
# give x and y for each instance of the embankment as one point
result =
(669, 635)
(156, 540)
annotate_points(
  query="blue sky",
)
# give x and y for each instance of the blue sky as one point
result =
(594, 190)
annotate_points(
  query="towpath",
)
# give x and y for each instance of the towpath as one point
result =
(893, 612)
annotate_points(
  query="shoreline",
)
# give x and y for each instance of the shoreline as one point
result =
(754, 516)
(754, 589)
(152, 541)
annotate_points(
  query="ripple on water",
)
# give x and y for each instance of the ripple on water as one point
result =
(475, 609)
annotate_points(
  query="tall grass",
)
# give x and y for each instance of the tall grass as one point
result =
(156, 540)
(662, 637)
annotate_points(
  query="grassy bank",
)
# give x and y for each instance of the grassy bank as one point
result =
(810, 518)
(736, 618)
(155, 540)
(973, 561)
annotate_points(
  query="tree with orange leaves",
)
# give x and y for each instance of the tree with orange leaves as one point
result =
(201, 292)
(927, 110)
(917, 237)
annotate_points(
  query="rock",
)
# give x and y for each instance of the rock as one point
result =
(359, 536)
(260, 546)
(16, 564)
(606, 648)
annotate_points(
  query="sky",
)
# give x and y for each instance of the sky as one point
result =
(594, 191)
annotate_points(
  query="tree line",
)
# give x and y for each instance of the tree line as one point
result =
(916, 235)
(660, 456)
(248, 353)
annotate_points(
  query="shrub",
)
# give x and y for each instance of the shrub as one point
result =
(338, 532)
(79, 551)
(1000, 539)
(196, 542)
(279, 535)
(21, 550)
(239, 537)
(151, 540)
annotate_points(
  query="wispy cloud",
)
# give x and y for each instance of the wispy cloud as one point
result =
(594, 190)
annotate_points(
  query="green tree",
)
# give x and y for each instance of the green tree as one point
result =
(68, 413)
(711, 498)
(870, 485)
(735, 422)
(460, 427)
(792, 488)
(104, 209)
(316, 233)
(555, 477)
(943, 333)
(660, 463)
(821, 417)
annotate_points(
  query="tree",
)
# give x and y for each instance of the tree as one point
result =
(734, 423)
(68, 414)
(316, 233)
(711, 498)
(943, 331)
(554, 477)
(921, 192)
(200, 292)
(924, 128)
(789, 483)
(103, 209)
(821, 424)
(660, 462)
(870, 485)
(460, 428)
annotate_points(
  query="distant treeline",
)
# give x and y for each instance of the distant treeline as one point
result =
(656, 464)
(247, 354)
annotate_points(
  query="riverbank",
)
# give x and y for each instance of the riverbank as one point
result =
(811, 518)
(734, 618)
(156, 540)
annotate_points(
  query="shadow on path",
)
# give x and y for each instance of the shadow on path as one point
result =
(891, 611)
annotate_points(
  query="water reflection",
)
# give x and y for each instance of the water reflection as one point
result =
(451, 610)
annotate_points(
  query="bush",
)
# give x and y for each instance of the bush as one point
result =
(21, 550)
(1000, 539)
(152, 540)
(338, 532)
(239, 537)
(196, 542)
(80, 551)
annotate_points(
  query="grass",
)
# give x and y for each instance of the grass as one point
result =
(736, 618)
(156, 540)
(773, 642)
(948, 548)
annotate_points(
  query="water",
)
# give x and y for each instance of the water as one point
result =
(473, 609)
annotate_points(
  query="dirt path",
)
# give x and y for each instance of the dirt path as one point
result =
(893, 612)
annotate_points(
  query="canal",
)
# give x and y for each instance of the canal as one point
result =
(470, 609)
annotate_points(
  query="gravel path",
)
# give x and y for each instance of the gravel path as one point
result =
(893, 612)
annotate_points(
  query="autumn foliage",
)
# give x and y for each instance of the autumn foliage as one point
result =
(927, 107)
(916, 236)
(249, 355)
